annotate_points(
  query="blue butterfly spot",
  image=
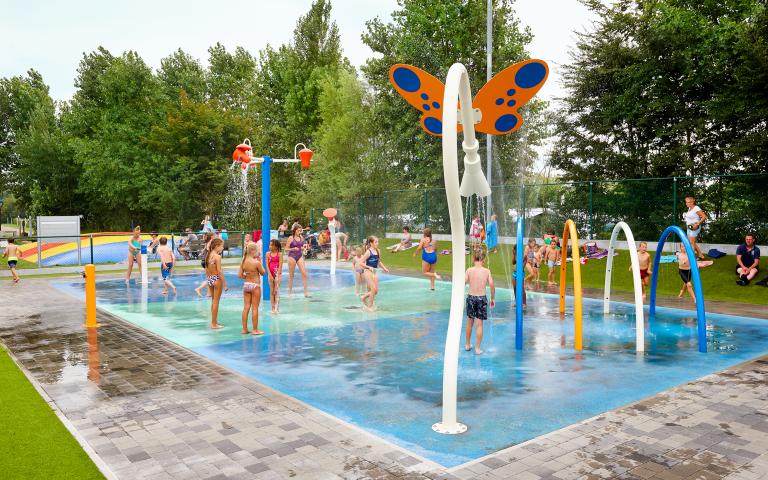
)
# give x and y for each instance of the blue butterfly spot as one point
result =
(511, 103)
(530, 75)
(434, 125)
(406, 79)
(506, 123)
(424, 96)
(435, 104)
(425, 107)
(499, 101)
(511, 92)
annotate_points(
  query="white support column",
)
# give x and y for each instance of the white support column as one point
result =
(639, 318)
(332, 228)
(144, 274)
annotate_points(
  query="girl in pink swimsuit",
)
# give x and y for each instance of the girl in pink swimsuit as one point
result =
(275, 268)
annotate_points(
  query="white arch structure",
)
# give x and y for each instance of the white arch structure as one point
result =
(639, 319)
(473, 182)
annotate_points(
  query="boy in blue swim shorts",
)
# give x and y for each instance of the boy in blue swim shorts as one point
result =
(477, 302)
(167, 261)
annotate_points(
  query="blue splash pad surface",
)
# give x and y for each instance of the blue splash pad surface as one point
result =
(383, 371)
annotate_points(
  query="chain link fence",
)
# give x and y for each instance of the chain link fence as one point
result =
(735, 205)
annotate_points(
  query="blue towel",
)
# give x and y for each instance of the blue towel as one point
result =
(715, 253)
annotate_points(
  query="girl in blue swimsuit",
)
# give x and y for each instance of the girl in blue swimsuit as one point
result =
(370, 262)
(428, 248)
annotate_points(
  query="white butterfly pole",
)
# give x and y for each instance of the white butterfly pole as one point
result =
(474, 182)
(332, 229)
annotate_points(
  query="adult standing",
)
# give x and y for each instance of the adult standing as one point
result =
(492, 235)
(341, 237)
(694, 218)
(296, 257)
(206, 226)
(748, 259)
(282, 230)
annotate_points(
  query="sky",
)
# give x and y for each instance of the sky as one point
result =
(51, 36)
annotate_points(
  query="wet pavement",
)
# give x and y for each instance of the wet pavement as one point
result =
(152, 409)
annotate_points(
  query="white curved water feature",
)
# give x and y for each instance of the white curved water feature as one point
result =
(639, 318)
(474, 182)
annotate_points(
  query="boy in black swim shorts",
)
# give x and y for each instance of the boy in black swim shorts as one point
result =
(477, 303)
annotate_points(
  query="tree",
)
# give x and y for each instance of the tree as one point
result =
(667, 87)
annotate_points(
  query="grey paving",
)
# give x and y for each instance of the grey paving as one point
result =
(151, 409)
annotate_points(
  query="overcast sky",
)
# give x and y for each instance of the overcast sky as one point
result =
(51, 36)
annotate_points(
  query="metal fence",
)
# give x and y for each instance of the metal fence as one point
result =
(735, 205)
(112, 248)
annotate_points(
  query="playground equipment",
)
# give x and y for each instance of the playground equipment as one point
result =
(90, 296)
(243, 155)
(570, 228)
(144, 261)
(519, 279)
(639, 319)
(330, 214)
(494, 111)
(695, 278)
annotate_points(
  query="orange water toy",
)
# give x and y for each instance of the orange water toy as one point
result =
(244, 154)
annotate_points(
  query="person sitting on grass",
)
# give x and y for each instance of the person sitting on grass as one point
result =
(404, 244)
(748, 259)
(477, 303)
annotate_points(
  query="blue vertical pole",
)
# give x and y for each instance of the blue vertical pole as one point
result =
(519, 277)
(266, 194)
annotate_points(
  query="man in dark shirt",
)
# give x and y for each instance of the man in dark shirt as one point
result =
(748, 258)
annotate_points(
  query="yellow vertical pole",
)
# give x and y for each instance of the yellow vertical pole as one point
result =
(570, 229)
(90, 296)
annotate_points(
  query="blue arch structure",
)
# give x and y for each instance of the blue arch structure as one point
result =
(695, 278)
(519, 278)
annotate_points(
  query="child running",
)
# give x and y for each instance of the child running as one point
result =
(644, 261)
(275, 268)
(167, 262)
(370, 262)
(12, 252)
(428, 249)
(251, 271)
(477, 303)
(215, 279)
(134, 252)
(684, 269)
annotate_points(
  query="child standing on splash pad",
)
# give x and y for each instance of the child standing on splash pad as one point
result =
(371, 262)
(644, 263)
(134, 252)
(251, 271)
(357, 267)
(275, 269)
(531, 255)
(551, 253)
(214, 277)
(167, 261)
(428, 249)
(477, 302)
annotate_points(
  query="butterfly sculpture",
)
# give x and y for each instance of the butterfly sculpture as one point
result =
(496, 105)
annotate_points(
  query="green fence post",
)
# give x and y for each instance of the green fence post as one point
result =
(90, 239)
(173, 243)
(425, 208)
(591, 226)
(674, 201)
(385, 214)
(312, 216)
(360, 218)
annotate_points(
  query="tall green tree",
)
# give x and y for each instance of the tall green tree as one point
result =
(667, 87)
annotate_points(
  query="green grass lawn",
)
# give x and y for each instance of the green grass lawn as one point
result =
(719, 280)
(33, 442)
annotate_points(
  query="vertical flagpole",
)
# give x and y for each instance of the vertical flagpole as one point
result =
(488, 75)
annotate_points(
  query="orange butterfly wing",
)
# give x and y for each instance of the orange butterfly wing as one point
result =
(423, 91)
(510, 89)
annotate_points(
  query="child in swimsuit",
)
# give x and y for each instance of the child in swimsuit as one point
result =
(167, 261)
(275, 269)
(644, 261)
(214, 277)
(357, 255)
(684, 269)
(370, 262)
(11, 251)
(531, 261)
(477, 303)
(551, 254)
(428, 248)
(296, 257)
(251, 271)
(134, 252)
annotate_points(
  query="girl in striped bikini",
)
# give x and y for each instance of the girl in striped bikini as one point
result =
(251, 271)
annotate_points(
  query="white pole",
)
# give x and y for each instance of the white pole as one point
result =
(488, 75)
(144, 275)
(332, 228)
(639, 318)
(474, 182)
